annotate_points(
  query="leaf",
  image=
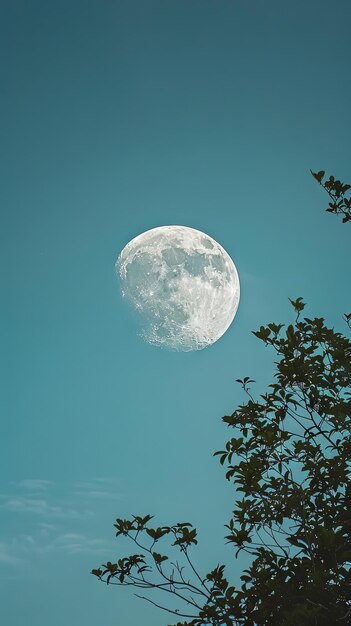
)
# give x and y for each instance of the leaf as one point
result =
(298, 304)
(318, 175)
(96, 572)
(159, 558)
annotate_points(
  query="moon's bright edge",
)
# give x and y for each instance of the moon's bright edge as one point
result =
(182, 283)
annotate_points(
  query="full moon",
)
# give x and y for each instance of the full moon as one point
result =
(182, 283)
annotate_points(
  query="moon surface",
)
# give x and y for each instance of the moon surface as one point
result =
(183, 285)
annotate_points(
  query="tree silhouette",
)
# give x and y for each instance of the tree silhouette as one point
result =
(290, 460)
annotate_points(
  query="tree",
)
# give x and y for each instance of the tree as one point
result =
(290, 461)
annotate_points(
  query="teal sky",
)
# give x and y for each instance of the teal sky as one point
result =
(119, 116)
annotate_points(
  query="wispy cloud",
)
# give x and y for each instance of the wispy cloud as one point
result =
(35, 484)
(100, 488)
(53, 520)
(94, 493)
(44, 508)
(18, 504)
(25, 550)
(47, 527)
(73, 543)
(43, 498)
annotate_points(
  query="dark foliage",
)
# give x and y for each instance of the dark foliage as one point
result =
(339, 203)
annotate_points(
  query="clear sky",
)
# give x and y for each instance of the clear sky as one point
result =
(119, 116)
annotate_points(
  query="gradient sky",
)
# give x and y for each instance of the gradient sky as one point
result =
(119, 116)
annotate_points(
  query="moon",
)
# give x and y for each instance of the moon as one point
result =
(182, 283)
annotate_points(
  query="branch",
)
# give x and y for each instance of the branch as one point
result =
(164, 608)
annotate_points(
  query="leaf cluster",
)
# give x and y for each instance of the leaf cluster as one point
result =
(205, 598)
(339, 203)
